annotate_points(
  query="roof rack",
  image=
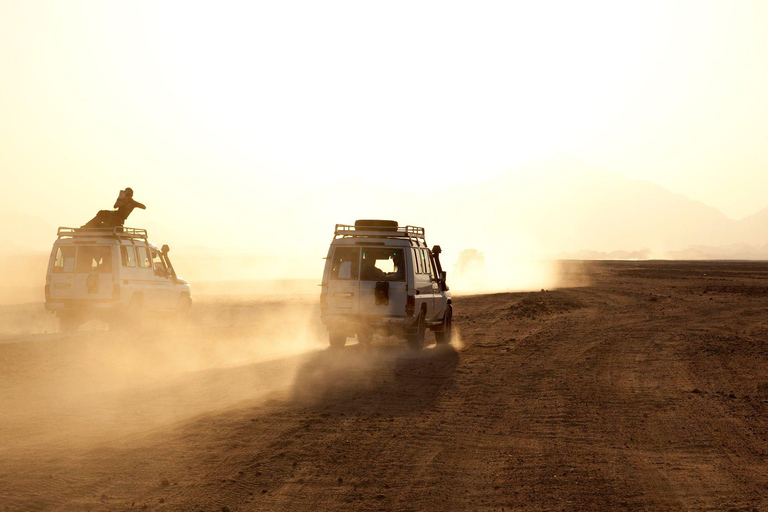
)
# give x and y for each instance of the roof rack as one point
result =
(119, 232)
(405, 232)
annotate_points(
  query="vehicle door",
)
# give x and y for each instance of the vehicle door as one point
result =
(61, 280)
(175, 288)
(343, 281)
(94, 279)
(440, 300)
(163, 283)
(423, 282)
(144, 278)
(382, 281)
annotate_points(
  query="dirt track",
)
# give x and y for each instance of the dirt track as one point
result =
(647, 389)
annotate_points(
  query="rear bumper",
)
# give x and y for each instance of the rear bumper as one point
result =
(60, 305)
(352, 323)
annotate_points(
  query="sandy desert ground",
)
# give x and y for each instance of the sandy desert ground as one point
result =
(646, 389)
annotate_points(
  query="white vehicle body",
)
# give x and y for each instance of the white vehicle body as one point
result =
(383, 279)
(113, 274)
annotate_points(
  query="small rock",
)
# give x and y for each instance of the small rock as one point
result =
(165, 482)
(225, 509)
(379, 497)
(696, 390)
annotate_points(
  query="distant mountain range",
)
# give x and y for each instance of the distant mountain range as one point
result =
(569, 209)
(557, 208)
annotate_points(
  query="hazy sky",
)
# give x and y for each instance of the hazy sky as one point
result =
(227, 113)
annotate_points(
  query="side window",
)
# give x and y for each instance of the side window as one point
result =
(345, 263)
(424, 262)
(431, 265)
(142, 257)
(95, 258)
(64, 261)
(128, 255)
(418, 264)
(159, 265)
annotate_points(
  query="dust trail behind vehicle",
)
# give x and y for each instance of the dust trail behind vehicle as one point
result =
(95, 384)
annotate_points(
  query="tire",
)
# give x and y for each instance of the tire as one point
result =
(130, 319)
(184, 308)
(365, 338)
(337, 340)
(69, 322)
(416, 340)
(443, 336)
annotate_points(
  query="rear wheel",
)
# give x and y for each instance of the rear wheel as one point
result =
(337, 340)
(444, 335)
(69, 321)
(365, 338)
(416, 340)
(130, 319)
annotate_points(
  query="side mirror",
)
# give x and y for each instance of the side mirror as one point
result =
(165, 249)
(443, 284)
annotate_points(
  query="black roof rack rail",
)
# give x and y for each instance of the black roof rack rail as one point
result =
(115, 232)
(413, 233)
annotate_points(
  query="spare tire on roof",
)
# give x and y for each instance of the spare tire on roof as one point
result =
(376, 225)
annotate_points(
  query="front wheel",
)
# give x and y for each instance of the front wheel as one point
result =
(416, 340)
(444, 335)
(337, 340)
(184, 308)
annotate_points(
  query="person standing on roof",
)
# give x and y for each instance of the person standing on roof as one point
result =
(124, 205)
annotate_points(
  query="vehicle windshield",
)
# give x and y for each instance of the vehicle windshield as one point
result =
(382, 264)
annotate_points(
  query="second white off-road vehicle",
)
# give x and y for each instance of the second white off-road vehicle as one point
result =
(381, 278)
(114, 275)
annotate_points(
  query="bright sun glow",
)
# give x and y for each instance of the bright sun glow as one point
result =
(234, 118)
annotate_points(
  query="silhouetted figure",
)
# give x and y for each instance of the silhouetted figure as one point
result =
(125, 204)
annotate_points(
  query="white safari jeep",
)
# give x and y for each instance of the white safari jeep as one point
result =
(113, 274)
(382, 279)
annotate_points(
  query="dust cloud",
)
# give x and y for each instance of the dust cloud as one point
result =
(494, 275)
(97, 384)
